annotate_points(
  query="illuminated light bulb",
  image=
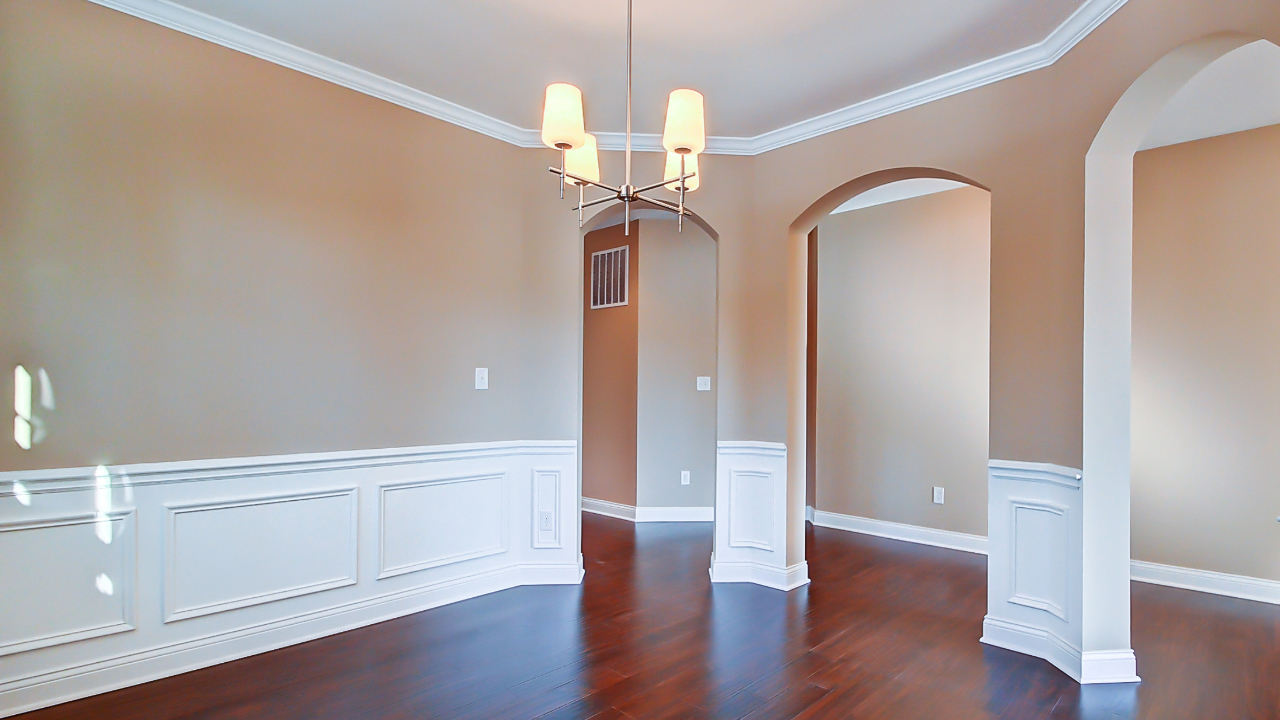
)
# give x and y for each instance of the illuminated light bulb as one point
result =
(673, 171)
(562, 125)
(684, 132)
(583, 162)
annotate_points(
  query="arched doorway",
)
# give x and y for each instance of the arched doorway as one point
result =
(1108, 313)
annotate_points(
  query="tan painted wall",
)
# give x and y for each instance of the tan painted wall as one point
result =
(216, 256)
(1206, 354)
(676, 424)
(610, 338)
(903, 343)
(419, 250)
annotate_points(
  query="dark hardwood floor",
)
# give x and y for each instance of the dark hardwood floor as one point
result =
(886, 630)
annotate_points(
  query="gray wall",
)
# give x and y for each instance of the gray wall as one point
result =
(1206, 354)
(903, 348)
(676, 424)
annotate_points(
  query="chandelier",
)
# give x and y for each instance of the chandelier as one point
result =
(683, 137)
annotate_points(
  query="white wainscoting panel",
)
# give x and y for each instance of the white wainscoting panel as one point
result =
(111, 577)
(62, 583)
(429, 523)
(751, 523)
(231, 554)
(1034, 571)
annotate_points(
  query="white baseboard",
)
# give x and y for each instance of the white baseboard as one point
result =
(648, 514)
(1033, 641)
(785, 579)
(1236, 586)
(1099, 667)
(808, 513)
(899, 531)
(610, 509)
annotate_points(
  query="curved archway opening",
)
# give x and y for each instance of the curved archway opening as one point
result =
(918, 225)
(1108, 347)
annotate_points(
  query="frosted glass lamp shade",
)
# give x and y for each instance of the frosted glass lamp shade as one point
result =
(583, 162)
(684, 132)
(562, 124)
(673, 171)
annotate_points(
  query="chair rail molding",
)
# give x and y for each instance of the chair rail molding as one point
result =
(751, 521)
(1075, 28)
(161, 568)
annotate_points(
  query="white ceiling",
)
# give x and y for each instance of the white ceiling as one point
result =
(1241, 91)
(762, 65)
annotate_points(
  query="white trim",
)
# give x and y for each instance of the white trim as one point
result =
(1084, 20)
(751, 447)
(1236, 586)
(385, 572)
(163, 473)
(809, 513)
(609, 509)
(1034, 472)
(648, 514)
(1100, 667)
(1033, 641)
(786, 580)
(899, 531)
(30, 693)
(675, 514)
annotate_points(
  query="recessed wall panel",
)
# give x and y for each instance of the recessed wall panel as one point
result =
(428, 523)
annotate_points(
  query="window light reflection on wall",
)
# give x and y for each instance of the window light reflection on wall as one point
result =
(22, 407)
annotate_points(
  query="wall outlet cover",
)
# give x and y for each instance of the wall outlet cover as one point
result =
(482, 378)
(704, 384)
(684, 477)
(939, 495)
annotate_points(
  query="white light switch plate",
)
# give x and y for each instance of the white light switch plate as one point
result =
(704, 384)
(684, 477)
(482, 378)
(939, 494)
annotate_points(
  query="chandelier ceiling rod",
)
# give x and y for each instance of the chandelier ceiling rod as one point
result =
(683, 138)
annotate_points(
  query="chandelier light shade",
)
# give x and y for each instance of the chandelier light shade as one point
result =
(684, 137)
(673, 172)
(684, 133)
(582, 163)
(562, 122)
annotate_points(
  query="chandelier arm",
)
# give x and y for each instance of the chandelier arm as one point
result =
(668, 181)
(662, 204)
(597, 202)
(602, 186)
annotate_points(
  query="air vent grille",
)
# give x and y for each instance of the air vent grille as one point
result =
(609, 274)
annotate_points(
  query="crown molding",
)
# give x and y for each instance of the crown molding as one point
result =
(1083, 21)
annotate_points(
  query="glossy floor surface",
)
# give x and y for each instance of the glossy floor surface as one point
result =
(886, 630)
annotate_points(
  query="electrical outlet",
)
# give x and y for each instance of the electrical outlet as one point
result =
(684, 477)
(482, 378)
(546, 521)
(704, 384)
(939, 495)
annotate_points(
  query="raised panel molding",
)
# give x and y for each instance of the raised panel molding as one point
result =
(751, 509)
(217, 542)
(466, 517)
(53, 594)
(1039, 569)
(262, 541)
(546, 505)
(1075, 28)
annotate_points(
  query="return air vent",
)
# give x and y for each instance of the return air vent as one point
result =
(609, 273)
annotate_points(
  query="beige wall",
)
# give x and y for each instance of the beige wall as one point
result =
(903, 346)
(215, 256)
(676, 424)
(218, 256)
(1206, 354)
(610, 376)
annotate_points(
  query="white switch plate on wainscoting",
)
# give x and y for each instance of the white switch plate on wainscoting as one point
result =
(482, 378)
(939, 494)
(704, 384)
